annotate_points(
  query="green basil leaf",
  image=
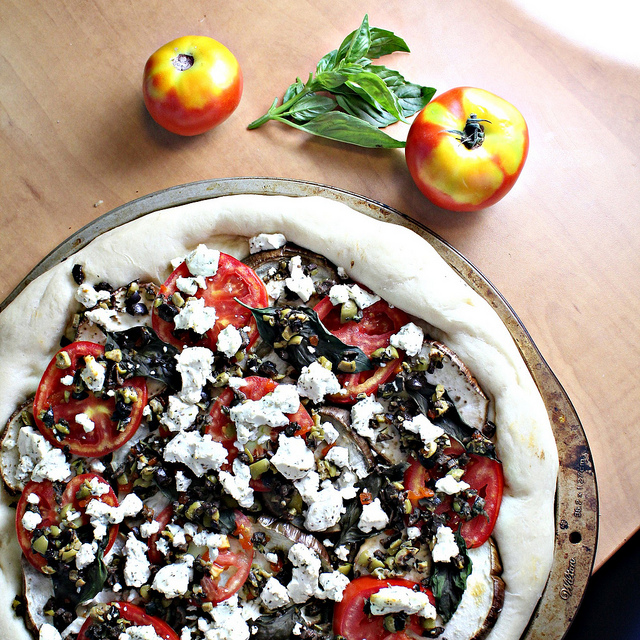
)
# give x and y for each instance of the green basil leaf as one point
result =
(310, 106)
(94, 576)
(448, 582)
(373, 88)
(413, 98)
(356, 106)
(384, 42)
(359, 44)
(328, 62)
(293, 90)
(303, 354)
(344, 127)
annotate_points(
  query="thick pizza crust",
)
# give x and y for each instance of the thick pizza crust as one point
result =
(394, 262)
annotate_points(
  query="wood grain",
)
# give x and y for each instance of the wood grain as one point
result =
(563, 246)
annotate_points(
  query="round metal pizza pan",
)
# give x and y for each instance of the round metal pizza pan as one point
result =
(576, 497)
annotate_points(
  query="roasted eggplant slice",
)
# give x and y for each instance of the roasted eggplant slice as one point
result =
(273, 269)
(38, 589)
(483, 598)
(9, 452)
(463, 389)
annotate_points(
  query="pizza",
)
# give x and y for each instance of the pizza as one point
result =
(267, 417)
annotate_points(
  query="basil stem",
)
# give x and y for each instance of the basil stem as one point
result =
(370, 97)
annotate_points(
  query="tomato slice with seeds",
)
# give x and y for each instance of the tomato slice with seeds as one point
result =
(233, 279)
(379, 322)
(352, 623)
(164, 518)
(54, 396)
(51, 500)
(230, 569)
(222, 429)
(415, 482)
(137, 616)
(367, 382)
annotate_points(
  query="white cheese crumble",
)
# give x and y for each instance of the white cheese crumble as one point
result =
(293, 459)
(33, 498)
(338, 456)
(299, 283)
(266, 242)
(93, 374)
(173, 580)
(97, 487)
(30, 520)
(198, 453)
(149, 528)
(305, 574)
(325, 509)
(190, 286)
(341, 293)
(331, 434)
(38, 459)
(88, 297)
(106, 318)
(194, 366)
(315, 382)
(102, 514)
(182, 482)
(203, 261)
(228, 623)
(409, 338)
(274, 594)
(401, 600)
(53, 466)
(237, 485)
(140, 632)
(229, 341)
(449, 485)
(67, 381)
(86, 555)
(179, 415)
(421, 425)
(269, 411)
(137, 568)
(332, 586)
(373, 517)
(362, 413)
(195, 316)
(445, 547)
(87, 424)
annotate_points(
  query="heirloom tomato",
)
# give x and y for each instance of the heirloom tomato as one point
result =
(466, 149)
(191, 84)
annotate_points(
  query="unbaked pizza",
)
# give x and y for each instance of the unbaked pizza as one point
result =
(260, 417)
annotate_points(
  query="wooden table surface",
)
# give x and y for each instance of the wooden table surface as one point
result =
(563, 247)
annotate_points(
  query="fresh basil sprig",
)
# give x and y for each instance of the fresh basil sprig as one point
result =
(369, 96)
(299, 337)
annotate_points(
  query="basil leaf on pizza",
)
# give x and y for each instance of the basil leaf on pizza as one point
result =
(304, 441)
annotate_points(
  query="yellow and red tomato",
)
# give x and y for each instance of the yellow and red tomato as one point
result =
(466, 149)
(191, 85)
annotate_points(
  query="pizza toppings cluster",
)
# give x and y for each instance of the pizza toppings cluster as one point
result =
(261, 449)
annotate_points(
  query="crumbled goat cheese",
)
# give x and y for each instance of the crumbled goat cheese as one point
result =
(182, 482)
(331, 434)
(299, 283)
(338, 456)
(237, 485)
(275, 288)
(275, 594)
(30, 520)
(190, 286)
(39, 458)
(93, 374)
(325, 510)
(413, 532)
(86, 555)
(96, 466)
(195, 316)
(342, 552)
(305, 574)
(423, 427)
(162, 545)
(149, 528)
(88, 297)
(293, 459)
(341, 293)
(198, 453)
(87, 424)
(140, 632)
(203, 261)
(229, 341)
(173, 580)
(53, 466)
(270, 411)
(228, 623)
(449, 485)
(97, 487)
(333, 585)
(67, 381)
(266, 242)
(398, 599)
(102, 514)
(179, 414)
(194, 366)
(445, 547)
(308, 486)
(137, 568)
(315, 382)
(409, 338)
(105, 318)
(373, 517)
(362, 413)
(33, 498)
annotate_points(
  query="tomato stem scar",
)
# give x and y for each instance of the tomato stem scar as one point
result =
(472, 136)
(182, 61)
